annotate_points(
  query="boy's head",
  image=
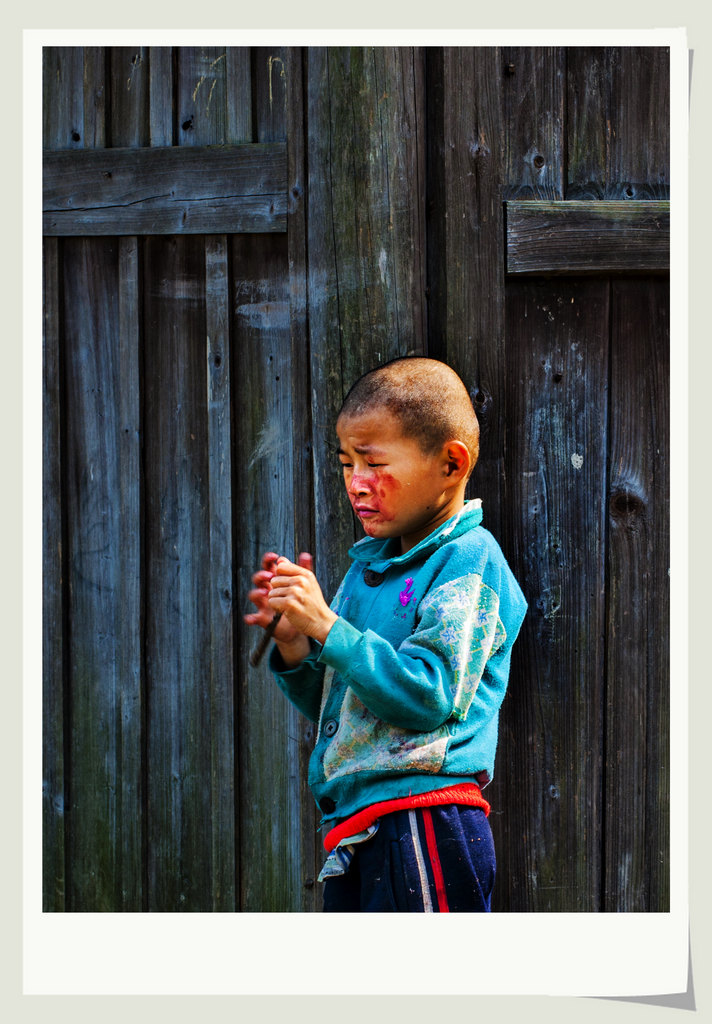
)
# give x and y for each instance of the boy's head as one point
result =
(408, 443)
(427, 398)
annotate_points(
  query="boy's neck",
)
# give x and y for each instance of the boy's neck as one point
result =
(448, 510)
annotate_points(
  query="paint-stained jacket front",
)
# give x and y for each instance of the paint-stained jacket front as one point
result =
(408, 685)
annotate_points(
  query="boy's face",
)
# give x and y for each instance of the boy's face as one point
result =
(395, 489)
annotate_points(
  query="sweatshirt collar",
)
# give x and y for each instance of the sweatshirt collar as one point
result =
(378, 554)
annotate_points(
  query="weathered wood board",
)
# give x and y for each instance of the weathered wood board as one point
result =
(208, 190)
(466, 248)
(550, 751)
(53, 602)
(100, 451)
(365, 242)
(575, 237)
(637, 776)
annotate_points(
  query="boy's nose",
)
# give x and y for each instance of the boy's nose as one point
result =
(359, 485)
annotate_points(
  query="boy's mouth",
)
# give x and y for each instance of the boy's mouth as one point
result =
(365, 511)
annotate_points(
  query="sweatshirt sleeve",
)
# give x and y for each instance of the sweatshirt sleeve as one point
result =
(302, 685)
(434, 674)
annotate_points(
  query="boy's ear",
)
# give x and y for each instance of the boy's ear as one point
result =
(457, 460)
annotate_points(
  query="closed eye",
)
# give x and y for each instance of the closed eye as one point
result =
(371, 465)
(343, 457)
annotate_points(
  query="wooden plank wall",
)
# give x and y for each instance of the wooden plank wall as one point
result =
(171, 406)
(191, 386)
(540, 358)
(586, 750)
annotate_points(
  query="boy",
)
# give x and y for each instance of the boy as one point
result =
(405, 672)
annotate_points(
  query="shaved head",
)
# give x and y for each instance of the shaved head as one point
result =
(425, 395)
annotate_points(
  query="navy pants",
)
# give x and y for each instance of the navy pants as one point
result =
(425, 860)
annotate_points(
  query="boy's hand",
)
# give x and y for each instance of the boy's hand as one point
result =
(284, 632)
(295, 593)
(291, 640)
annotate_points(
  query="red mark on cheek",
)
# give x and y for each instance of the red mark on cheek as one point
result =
(388, 485)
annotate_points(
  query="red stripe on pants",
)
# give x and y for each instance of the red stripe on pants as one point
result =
(435, 861)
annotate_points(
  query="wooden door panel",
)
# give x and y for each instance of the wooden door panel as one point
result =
(638, 677)
(103, 670)
(584, 740)
(272, 736)
(177, 554)
(548, 796)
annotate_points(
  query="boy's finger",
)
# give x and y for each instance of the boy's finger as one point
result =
(269, 559)
(285, 567)
(262, 578)
(306, 561)
(277, 582)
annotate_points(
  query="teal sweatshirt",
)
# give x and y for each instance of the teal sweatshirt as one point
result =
(408, 685)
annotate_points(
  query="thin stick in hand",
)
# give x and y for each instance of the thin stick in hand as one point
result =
(260, 648)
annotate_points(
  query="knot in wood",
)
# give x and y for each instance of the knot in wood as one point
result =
(626, 506)
(482, 402)
(479, 147)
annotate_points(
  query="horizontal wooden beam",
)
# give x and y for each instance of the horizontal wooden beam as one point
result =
(166, 190)
(597, 236)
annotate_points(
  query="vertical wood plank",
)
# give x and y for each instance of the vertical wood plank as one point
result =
(63, 97)
(130, 96)
(586, 122)
(98, 567)
(160, 90)
(239, 94)
(53, 639)
(466, 245)
(638, 159)
(618, 111)
(638, 690)
(376, 193)
(269, 92)
(129, 105)
(304, 540)
(95, 98)
(549, 758)
(220, 574)
(177, 545)
(399, 87)
(335, 529)
(201, 96)
(534, 90)
(366, 238)
(271, 873)
(129, 659)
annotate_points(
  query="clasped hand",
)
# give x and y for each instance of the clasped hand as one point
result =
(291, 589)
